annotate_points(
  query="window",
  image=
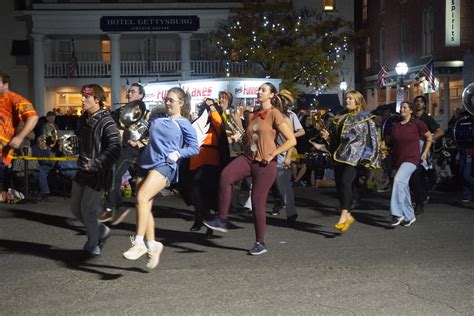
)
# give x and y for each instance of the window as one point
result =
(382, 5)
(403, 39)
(427, 31)
(364, 10)
(64, 52)
(329, 5)
(382, 46)
(106, 51)
(367, 54)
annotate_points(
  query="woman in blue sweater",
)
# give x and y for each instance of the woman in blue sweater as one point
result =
(171, 137)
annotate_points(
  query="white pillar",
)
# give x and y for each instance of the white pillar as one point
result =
(38, 73)
(115, 74)
(388, 91)
(446, 102)
(185, 55)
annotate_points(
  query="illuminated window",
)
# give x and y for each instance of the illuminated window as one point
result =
(329, 5)
(106, 51)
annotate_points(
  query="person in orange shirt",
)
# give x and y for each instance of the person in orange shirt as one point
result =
(13, 109)
(205, 169)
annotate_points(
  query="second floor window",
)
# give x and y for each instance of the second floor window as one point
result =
(382, 47)
(403, 39)
(427, 31)
(368, 63)
(329, 5)
(106, 51)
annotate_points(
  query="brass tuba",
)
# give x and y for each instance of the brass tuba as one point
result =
(133, 117)
(69, 144)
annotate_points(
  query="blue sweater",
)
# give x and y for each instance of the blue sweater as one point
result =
(166, 136)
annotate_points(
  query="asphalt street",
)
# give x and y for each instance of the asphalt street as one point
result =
(372, 269)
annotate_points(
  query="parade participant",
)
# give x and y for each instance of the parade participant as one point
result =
(419, 184)
(354, 142)
(283, 184)
(257, 162)
(171, 138)
(99, 149)
(13, 108)
(114, 210)
(405, 142)
(205, 169)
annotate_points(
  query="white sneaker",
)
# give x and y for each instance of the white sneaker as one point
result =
(136, 251)
(154, 256)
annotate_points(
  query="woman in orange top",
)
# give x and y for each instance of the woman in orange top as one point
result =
(205, 169)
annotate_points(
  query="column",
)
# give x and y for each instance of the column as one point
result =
(185, 55)
(115, 73)
(38, 73)
(445, 102)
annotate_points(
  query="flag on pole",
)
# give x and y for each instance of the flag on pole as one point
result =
(381, 78)
(72, 65)
(427, 72)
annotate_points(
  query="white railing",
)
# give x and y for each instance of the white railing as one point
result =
(99, 69)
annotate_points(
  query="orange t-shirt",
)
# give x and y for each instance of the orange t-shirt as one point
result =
(13, 108)
(261, 133)
(209, 151)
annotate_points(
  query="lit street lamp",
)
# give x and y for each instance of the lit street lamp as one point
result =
(343, 87)
(401, 69)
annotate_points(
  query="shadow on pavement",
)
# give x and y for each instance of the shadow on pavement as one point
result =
(47, 219)
(71, 259)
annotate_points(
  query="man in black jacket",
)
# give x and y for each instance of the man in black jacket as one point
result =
(99, 149)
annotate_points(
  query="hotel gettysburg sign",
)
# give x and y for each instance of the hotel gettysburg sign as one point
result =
(149, 23)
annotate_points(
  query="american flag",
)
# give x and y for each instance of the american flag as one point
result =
(427, 72)
(72, 65)
(381, 78)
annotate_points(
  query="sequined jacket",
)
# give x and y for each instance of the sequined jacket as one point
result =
(354, 140)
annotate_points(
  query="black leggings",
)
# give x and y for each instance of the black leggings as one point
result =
(346, 185)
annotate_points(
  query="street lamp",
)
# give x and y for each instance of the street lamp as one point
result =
(343, 87)
(401, 69)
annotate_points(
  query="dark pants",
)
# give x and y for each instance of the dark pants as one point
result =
(345, 176)
(204, 191)
(262, 179)
(421, 183)
(127, 159)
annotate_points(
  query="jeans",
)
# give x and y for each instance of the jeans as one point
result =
(86, 206)
(286, 189)
(465, 168)
(400, 202)
(43, 172)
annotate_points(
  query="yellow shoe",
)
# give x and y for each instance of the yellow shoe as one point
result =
(340, 226)
(348, 224)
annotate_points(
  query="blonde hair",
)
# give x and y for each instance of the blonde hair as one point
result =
(361, 105)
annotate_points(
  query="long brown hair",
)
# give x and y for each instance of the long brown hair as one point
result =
(183, 96)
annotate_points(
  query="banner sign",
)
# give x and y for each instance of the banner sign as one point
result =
(453, 23)
(243, 90)
(181, 23)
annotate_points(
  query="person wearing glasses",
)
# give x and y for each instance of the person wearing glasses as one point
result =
(114, 210)
(257, 162)
(171, 138)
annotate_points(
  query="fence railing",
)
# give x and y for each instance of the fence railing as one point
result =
(100, 69)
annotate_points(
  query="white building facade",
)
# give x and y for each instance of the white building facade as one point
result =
(118, 43)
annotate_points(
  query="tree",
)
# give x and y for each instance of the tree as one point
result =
(298, 46)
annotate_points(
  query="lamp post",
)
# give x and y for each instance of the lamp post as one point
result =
(401, 69)
(343, 87)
